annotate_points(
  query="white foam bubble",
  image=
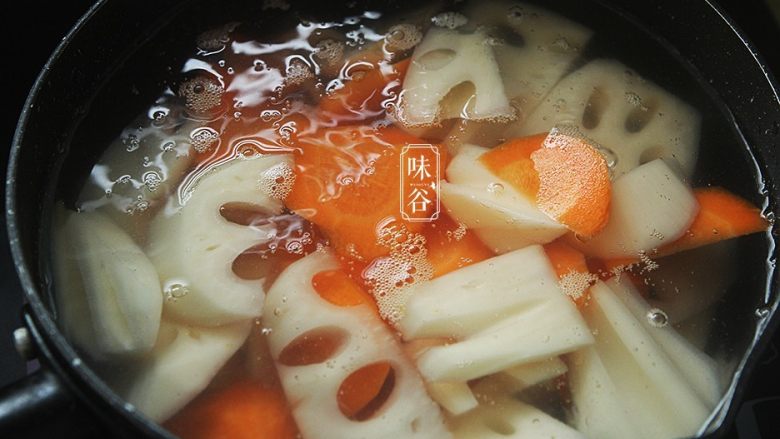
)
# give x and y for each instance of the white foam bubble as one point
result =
(391, 278)
(201, 94)
(277, 181)
(402, 37)
(449, 20)
(575, 284)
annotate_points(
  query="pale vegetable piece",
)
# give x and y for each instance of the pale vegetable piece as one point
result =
(503, 218)
(633, 118)
(455, 397)
(182, 363)
(598, 410)
(359, 338)
(699, 369)
(651, 206)
(468, 300)
(685, 294)
(550, 44)
(516, 379)
(535, 372)
(194, 247)
(503, 311)
(73, 315)
(657, 394)
(453, 75)
(109, 296)
(509, 418)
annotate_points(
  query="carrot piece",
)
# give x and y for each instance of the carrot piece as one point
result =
(243, 410)
(722, 215)
(569, 180)
(370, 83)
(565, 259)
(450, 247)
(572, 269)
(338, 288)
(574, 185)
(348, 184)
(511, 161)
(361, 388)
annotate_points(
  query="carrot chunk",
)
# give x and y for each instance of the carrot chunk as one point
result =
(369, 85)
(572, 269)
(511, 161)
(569, 178)
(451, 247)
(565, 259)
(348, 183)
(338, 288)
(574, 185)
(243, 410)
(722, 215)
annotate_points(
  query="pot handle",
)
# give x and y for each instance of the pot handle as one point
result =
(40, 406)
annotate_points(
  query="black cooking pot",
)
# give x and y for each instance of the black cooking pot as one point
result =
(63, 126)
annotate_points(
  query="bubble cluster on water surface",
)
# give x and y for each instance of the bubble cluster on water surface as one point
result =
(391, 277)
(277, 181)
(201, 94)
(131, 142)
(152, 180)
(175, 291)
(575, 284)
(203, 138)
(457, 234)
(402, 37)
(216, 39)
(449, 20)
(329, 53)
(298, 72)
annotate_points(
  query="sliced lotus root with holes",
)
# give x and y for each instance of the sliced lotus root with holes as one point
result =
(195, 246)
(453, 75)
(631, 117)
(536, 47)
(322, 349)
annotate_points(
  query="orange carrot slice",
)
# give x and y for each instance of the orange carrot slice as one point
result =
(565, 259)
(572, 269)
(348, 184)
(243, 410)
(574, 185)
(338, 288)
(511, 161)
(369, 85)
(569, 180)
(722, 215)
(451, 247)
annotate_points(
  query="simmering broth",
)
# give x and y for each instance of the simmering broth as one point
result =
(453, 220)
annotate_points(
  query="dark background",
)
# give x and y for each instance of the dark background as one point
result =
(31, 31)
